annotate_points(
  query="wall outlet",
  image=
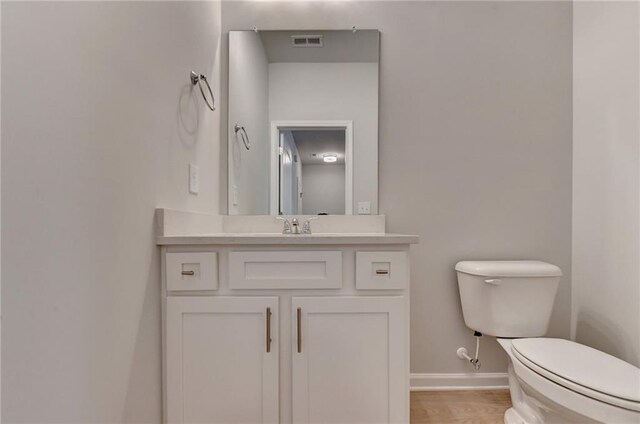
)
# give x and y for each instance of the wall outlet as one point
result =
(194, 179)
(364, 208)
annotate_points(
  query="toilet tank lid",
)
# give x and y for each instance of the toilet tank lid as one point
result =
(509, 268)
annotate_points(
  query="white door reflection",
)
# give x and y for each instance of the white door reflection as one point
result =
(290, 171)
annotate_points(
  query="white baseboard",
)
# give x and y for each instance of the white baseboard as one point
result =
(459, 381)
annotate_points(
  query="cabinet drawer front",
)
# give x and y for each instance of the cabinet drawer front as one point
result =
(192, 271)
(381, 270)
(285, 270)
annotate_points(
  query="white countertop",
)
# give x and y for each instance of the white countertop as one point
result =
(288, 239)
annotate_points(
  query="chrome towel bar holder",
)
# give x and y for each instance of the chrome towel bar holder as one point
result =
(237, 128)
(197, 79)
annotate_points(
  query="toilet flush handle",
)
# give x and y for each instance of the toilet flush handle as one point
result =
(493, 281)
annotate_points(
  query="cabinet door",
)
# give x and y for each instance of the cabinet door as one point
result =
(221, 366)
(350, 360)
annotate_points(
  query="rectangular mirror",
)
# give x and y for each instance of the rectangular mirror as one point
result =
(303, 122)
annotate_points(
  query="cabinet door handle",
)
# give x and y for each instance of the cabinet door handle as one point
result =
(382, 272)
(188, 273)
(268, 330)
(299, 329)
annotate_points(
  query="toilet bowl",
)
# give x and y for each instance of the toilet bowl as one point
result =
(551, 380)
(559, 381)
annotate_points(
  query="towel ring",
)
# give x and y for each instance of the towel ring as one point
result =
(243, 134)
(197, 79)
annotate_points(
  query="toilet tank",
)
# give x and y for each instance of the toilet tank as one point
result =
(508, 298)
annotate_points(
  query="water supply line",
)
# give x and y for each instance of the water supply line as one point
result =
(463, 354)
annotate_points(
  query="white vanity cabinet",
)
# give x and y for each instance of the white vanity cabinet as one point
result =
(285, 333)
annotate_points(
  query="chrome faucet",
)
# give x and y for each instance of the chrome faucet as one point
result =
(293, 226)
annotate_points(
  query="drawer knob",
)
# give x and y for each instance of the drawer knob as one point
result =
(382, 272)
(188, 273)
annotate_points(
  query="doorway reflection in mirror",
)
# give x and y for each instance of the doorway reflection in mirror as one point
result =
(312, 171)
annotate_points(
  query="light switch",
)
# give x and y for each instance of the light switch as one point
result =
(364, 208)
(194, 179)
(235, 195)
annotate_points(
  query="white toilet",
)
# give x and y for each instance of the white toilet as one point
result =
(551, 380)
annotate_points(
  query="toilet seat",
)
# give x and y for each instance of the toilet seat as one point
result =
(581, 369)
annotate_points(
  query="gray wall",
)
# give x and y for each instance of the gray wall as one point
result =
(99, 124)
(475, 143)
(334, 92)
(323, 187)
(606, 177)
(249, 107)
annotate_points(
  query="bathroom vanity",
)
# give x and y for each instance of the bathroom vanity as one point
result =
(265, 327)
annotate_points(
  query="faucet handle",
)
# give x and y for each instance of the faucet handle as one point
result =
(306, 227)
(286, 229)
